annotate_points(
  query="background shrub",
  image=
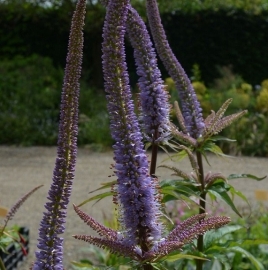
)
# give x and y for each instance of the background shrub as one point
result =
(30, 94)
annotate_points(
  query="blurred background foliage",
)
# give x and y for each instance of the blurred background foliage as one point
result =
(221, 44)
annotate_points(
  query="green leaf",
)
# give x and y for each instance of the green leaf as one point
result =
(97, 197)
(84, 265)
(173, 258)
(245, 175)
(158, 266)
(221, 138)
(212, 147)
(177, 157)
(212, 236)
(253, 260)
(220, 193)
(233, 191)
(176, 189)
(250, 242)
(104, 185)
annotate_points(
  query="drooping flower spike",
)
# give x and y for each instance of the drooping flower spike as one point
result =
(153, 96)
(135, 188)
(191, 109)
(141, 235)
(50, 245)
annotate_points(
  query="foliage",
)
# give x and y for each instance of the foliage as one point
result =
(93, 120)
(251, 131)
(28, 28)
(241, 245)
(29, 101)
(30, 95)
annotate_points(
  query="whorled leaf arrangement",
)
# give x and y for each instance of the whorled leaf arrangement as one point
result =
(50, 245)
(142, 235)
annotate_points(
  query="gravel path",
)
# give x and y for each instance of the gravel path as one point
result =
(22, 169)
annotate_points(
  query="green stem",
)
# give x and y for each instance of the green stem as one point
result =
(2, 267)
(202, 206)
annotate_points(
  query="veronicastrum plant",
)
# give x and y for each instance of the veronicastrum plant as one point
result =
(142, 235)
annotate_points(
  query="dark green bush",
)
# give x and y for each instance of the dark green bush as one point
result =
(208, 33)
(93, 119)
(30, 94)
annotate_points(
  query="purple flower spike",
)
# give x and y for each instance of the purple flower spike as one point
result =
(191, 109)
(136, 189)
(153, 96)
(50, 245)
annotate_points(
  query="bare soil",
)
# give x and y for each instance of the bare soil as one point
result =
(22, 169)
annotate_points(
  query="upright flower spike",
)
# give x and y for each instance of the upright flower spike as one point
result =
(135, 188)
(191, 109)
(153, 96)
(50, 245)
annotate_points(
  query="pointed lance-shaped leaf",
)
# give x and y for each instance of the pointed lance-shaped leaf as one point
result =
(50, 245)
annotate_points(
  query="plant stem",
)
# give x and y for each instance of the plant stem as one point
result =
(153, 158)
(2, 267)
(147, 267)
(152, 172)
(202, 206)
(154, 154)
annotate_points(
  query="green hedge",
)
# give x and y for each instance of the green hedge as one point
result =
(209, 38)
(30, 99)
(220, 38)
